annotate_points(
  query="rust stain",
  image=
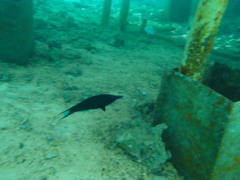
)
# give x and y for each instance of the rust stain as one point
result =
(235, 164)
(178, 107)
(187, 161)
(192, 119)
(229, 169)
(212, 125)
(221, 101)
(236, 159)
(210, 92)
(229, 107)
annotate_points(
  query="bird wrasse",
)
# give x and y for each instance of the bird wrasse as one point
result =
(94, 102)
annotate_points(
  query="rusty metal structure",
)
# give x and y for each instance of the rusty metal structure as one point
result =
(203, 125)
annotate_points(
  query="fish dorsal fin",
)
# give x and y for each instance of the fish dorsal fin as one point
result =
(103, 108)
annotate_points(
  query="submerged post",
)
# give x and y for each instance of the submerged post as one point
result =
(124, 14)
(16, 31)
(199, 45)
(106, 12)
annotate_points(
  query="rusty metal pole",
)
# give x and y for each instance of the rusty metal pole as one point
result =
(199, 45)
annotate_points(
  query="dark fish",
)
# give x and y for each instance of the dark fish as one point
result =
(95, 102)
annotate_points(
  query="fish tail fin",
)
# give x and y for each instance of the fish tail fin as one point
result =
(66, 113)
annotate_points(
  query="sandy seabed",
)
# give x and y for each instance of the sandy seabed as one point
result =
(36, 145)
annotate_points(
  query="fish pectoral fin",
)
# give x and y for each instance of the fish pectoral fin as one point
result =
(103, 108)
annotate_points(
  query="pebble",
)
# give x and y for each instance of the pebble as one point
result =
(144, 93)
(50, 156)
